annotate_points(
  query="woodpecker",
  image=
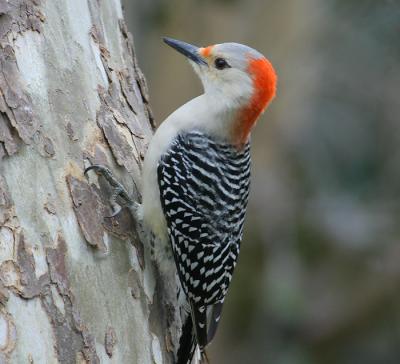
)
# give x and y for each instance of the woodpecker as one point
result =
(197, 176)
(196, 180)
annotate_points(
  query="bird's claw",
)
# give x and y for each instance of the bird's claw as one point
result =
(119, 190)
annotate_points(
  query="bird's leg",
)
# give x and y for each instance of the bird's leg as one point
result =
(118, 192)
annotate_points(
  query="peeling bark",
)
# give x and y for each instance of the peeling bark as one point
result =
(79, 283)
(66, 322)
(17, 120)
(110, 340)
(89, 211)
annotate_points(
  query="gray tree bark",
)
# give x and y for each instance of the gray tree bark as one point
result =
(75, 286)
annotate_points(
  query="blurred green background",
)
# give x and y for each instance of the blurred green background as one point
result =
(318, 280)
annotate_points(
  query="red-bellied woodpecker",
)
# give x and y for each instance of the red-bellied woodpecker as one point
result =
(196, 179)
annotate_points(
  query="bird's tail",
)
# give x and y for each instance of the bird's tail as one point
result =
(187, 342)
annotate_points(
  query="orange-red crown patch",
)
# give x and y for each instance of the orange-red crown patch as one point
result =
(205, 52)
(264, 83)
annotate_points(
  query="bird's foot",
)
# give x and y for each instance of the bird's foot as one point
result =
(119, 192)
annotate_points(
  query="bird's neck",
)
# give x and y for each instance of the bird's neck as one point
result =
(223, 113)
(264, 88)
(245, 119)
(233, 118)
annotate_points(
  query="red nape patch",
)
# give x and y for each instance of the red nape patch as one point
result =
(205, 52)
(264, 83)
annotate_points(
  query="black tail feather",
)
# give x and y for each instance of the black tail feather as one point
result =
(199, 315)
(187, 342)
(216, 311)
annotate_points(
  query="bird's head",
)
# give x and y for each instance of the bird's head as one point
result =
(236, 75)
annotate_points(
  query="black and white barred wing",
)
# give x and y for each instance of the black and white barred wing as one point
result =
(204, 189)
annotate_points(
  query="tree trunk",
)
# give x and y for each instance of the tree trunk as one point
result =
(75, 286)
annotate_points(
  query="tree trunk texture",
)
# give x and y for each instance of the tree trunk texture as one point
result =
(75, 286)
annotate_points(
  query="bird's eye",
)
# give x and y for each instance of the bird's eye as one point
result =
(221, 63)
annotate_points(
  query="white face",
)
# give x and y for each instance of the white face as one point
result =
(226, 71)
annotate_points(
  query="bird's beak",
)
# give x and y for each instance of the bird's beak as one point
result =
(188, 50)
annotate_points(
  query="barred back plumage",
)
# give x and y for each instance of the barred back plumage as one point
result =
(204, 189)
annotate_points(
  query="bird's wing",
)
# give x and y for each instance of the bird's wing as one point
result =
(204, 189)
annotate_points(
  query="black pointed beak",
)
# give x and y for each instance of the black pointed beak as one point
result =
(188, 50)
